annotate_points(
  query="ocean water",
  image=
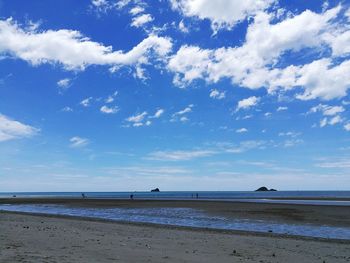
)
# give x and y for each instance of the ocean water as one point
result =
(340, 198)
(185, 217)
(223, 195)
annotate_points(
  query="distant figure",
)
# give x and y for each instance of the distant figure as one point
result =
(132, 197)
(197, 195)
(83, 195)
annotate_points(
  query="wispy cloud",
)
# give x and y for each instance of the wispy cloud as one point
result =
(11, 129)
(77, 142)
(179, 155)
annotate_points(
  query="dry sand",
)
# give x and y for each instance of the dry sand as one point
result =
(34, 238)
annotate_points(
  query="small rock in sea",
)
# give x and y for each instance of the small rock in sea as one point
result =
(270, 231)
(273, 255)
(234, 252)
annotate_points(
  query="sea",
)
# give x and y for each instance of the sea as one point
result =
(190, 217)
(181, 195)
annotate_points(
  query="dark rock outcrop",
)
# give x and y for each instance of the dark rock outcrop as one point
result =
(264, 189)
(155, 190)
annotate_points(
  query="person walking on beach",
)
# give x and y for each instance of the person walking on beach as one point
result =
(132, 197)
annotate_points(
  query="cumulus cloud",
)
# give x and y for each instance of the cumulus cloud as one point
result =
(221, 13)
(77, 142)
(247, 103)
(86, 102)
(11, 129)
(72, 50)
(64, 83)
(327, 110)
(136, 10)
(241, 130)
(141, 20)
(216, 94)
(109, 110)
(157, 114)
(253, 65)
(182, 27)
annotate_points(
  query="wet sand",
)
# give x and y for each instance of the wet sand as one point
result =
(281, 213)
(33, 238)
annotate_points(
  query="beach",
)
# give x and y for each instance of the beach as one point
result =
(53, 238)
(28, 238)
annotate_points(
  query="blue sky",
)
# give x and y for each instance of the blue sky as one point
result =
(108, 95)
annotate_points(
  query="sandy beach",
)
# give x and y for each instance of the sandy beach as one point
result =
(41, 238)
(28, 238)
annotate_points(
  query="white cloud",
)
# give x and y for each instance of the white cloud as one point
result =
(67, 109)
(86, 102)
(109, 110)
(137, 120)
(64, 83)
(216, 94)
(72, 50)
(179, 116)
(253, 65)
(182, 27)
(247, 103)
(179, 155)
(242, 146)
(184, 119)
(77, 142)
(111, 98)
(347, 127)
(136, 10)
(290, 134)
(327, 110)
(11, 129)
(141, 20)
(184, 111)
(241, 130)
(331, 114)
(331, 121)
(282, 108)
(157, 114)
(292, 142)
(221, 13)
(137, 117)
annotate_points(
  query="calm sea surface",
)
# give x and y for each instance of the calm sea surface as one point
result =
(190, 195)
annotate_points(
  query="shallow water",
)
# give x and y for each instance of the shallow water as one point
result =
(222, 195)
(185, 217)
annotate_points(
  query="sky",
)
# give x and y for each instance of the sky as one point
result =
(129, 95)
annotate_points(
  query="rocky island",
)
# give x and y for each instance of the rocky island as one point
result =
(264, 189)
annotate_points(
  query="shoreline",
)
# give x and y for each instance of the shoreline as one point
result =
(185, 228)
(41, 238)
(338, 216)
